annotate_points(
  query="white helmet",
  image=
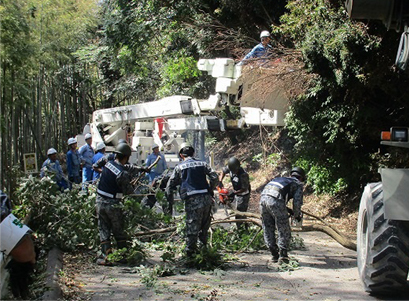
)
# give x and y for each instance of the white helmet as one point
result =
(51, 151)
(100, 145)
(154, 146)
(87, 136)
(72, 141)
(264, 34)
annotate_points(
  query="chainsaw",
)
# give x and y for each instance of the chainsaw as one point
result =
(225, 198)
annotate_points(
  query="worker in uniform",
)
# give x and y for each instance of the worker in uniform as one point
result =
(261, 50)
(97, 166)
(100, 152)
(52, 167)
(160, 167)
(115, 182)
(73, 162)
(87, 153)
(191, 175)
(274, 214)
(133, 169)
(241, 184)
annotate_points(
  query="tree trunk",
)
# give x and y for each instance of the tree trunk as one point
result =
(62, 111)
(14, 108)
(38, 114)
(2, 123)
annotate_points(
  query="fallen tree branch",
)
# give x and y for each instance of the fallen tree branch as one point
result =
(244, 214)
(340, 238)
(321, 220)
(156, 231)
(229, 221)
(256, 219)
(248, 245)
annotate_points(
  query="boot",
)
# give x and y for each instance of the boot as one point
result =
(123, 244)
(283, 258)
(274, 252)
(106, 250)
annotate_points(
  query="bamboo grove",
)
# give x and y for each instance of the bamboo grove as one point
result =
(45, 95)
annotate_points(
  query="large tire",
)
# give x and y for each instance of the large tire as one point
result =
(382, 245)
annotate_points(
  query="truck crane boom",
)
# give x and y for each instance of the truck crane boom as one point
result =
(144, 124)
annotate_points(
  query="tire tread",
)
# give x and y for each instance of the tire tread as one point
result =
(388, 266)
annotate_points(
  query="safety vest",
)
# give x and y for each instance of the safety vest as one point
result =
(194, 181)
(236, 180)
(282, 185)
(107, 186)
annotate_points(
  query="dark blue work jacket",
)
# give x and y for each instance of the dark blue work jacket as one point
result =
(107, 186)
(193, 176)
(282, 184)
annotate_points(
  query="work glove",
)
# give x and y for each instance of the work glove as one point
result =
(231, 195)
(220, 185)
(290, 211)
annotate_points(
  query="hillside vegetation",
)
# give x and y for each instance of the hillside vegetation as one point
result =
(61, 60)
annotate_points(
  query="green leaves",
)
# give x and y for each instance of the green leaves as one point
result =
(177, 76)
(66, 220)
(233, 240)
(323, 178)
(336, 123)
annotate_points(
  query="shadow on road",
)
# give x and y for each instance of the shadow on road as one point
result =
(404, 295)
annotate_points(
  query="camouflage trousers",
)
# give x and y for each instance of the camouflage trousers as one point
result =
(242, 203)
(198, 218)
(110, 221)
(274, 216)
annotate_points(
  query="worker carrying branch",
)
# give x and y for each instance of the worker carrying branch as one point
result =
(115, 182)
(191, 175)
(274, 214)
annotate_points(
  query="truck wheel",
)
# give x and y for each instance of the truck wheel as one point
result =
(382, 245)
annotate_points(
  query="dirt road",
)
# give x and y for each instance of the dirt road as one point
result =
(327, 272)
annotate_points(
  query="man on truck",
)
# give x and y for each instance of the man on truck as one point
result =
(261, 50)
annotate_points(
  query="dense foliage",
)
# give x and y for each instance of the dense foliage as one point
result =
(66, 220)
(354, 96)
(62, 60)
